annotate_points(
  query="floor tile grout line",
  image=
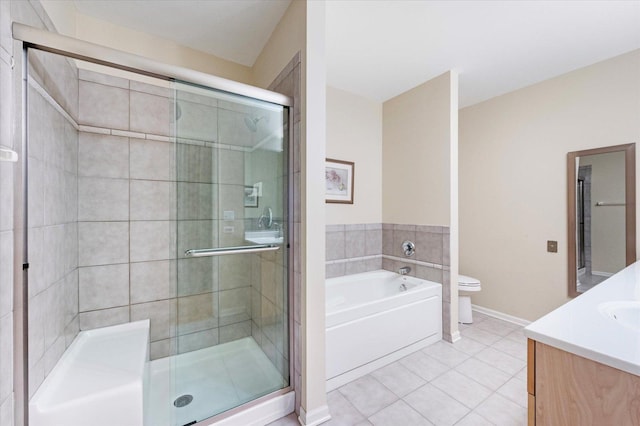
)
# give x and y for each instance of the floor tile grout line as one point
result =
(477, 414)
(471, 378)
(349, 401)
(395, 402)
(387, 388)
(491, 392)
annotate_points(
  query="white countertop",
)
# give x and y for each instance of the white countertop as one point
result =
(579, 326)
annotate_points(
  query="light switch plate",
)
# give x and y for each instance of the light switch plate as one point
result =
(229, 215)
(552, 246)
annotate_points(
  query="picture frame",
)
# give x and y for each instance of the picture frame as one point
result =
(339, 179)
(251, 196)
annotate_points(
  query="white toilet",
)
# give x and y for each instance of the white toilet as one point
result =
(466, 284)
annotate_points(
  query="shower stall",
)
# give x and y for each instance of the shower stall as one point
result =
(163, 195)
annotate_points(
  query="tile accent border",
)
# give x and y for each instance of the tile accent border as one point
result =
(417, 262)
(334, 262)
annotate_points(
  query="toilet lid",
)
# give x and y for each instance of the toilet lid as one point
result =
(466, 281)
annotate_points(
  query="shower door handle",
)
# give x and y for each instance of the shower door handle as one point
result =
(230, 250)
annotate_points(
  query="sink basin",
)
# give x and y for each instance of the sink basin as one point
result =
(626, 313)
(264, 237)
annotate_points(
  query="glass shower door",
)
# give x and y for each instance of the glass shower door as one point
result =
(232, 334)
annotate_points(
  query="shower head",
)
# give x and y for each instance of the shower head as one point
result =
(252, 123)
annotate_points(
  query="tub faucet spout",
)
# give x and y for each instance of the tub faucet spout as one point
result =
(404, 270)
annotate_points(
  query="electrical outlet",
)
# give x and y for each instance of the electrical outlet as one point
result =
(228, 230)
(552, 246)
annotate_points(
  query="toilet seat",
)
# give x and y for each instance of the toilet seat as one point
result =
(466, 283)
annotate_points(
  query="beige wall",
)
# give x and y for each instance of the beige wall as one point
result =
(354, 133)
(416, 135)
(314, 126)
(608, 252)
(513, 178)
(286, 40)
(83, 27)
(62, 14)
(420, 168)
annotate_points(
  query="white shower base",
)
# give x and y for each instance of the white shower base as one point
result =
(219, 378)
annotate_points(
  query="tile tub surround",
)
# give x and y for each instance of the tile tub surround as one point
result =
(430, 261)
(352, 249)
(479, 380)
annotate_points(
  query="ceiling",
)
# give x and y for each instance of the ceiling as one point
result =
(235, 30)
(381, 48)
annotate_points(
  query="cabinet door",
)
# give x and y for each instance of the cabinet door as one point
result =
(571, 390)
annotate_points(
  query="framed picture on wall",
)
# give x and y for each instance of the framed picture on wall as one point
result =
(339, 181)
(250, 196)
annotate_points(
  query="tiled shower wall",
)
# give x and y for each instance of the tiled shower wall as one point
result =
(269, 272)
(125, 207)
(269, 307)
(62, 90)
(7, 233)
(132, 237)
(352, 249)
(52, 204)
(288, 83)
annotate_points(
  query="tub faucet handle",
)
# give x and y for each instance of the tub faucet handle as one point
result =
(409, 248)
(404, 270)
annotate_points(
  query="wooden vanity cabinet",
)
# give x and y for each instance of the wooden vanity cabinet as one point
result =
(566, 389)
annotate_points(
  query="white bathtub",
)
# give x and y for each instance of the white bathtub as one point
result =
(99, 380)
(375, 318)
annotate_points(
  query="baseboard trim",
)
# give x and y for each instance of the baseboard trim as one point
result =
(314, 417)
(456, 336)
(500, 315)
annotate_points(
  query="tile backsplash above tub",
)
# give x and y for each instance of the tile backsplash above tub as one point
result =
(351, 249)
(356, 248)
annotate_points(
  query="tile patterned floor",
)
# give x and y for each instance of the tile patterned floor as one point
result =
(479, 380)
